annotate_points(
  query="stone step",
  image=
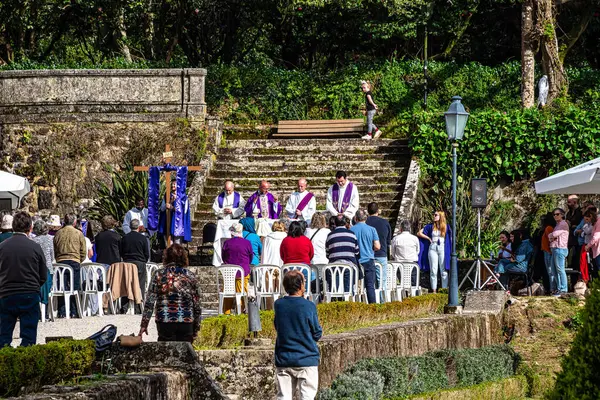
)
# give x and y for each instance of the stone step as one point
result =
(263, 159)
(318, 165)
(289, 183)
(316, 143)
(291, 150)
(255, 172)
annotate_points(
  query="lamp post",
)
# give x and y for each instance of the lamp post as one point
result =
(456, 121)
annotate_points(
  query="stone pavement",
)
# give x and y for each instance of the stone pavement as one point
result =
(83, 328)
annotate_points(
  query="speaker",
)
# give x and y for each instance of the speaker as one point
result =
(478, 193)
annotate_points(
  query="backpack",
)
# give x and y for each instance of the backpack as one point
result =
(104, 338)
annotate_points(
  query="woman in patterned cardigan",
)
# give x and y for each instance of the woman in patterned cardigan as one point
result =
(175, 292)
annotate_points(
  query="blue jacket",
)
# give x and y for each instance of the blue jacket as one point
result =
(424, 247)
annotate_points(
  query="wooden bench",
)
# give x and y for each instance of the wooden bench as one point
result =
(340, 128)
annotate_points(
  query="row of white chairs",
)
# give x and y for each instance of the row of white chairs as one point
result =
(339, 281)
(94, 284)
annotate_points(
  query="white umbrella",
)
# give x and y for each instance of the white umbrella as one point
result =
(12, 189)
(582, 179)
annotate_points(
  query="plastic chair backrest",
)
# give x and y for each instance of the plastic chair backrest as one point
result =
(229, 272)
(379, 267)
(90, 274)
(265, 276)
(151, 268)
(407, 269)
(58, 278)
(335, 286)
(394, 267)
(305, 269)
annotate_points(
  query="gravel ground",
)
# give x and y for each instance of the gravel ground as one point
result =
(83, 328)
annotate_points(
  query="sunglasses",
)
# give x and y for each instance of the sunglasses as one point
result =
(557, 214)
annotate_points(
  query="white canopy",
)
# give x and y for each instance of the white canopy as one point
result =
(582, 179)
(13, 188)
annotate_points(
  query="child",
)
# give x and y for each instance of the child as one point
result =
(371, 110)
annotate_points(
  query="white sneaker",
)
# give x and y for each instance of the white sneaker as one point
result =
(367, 137)
(377, 134)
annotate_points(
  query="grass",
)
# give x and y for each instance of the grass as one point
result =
(541, 338)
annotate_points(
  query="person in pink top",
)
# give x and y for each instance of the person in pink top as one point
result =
(594, 245)
(559, 244)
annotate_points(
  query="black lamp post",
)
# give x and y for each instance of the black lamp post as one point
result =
(456, 121)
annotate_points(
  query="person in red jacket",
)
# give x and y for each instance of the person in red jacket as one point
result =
(296, 248)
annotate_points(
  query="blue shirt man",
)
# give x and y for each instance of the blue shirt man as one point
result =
(368, 243)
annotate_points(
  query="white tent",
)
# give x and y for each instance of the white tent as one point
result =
(12, 189)
(582, 179)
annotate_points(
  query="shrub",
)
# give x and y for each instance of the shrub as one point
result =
(34, 366)
(362, 385)
(230, 331)
(405, 376)
(578, 378)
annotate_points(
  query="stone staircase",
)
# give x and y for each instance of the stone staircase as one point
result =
(378, 168)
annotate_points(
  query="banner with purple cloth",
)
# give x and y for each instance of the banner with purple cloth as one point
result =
(153, 197)
(180, 200)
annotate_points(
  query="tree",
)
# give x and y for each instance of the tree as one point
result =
(579, 376)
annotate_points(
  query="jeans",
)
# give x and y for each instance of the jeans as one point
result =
(504, 267)
(304, 380)
(25, 307)
(436, 262)
(369, 267)
(381, 278)
(370, 125)
(551, 270)
(559, 257)
(77, 286)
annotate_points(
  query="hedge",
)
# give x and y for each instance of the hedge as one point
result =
(405, 376)
(515, 388)
(228, 331)
(26, 369)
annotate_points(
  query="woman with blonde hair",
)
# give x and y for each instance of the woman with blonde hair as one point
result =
(436, 245)
(270, 254)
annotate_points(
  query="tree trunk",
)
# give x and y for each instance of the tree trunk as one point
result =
(123, 35)
(551, 62)
(528, 50)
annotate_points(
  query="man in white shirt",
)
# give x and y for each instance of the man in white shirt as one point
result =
(342, 197)
(139, 212)
(301, 204)
(405, 246)
(229, 204)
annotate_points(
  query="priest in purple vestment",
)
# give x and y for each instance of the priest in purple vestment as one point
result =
(264, 203)
(342, 197)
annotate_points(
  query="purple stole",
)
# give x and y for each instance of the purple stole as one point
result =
(305, 201)
(255, 198)
(335, 196)
(236, 199)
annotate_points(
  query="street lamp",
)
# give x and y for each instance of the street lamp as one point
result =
(456, 121)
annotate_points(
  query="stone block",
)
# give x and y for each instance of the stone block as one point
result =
(485, 301)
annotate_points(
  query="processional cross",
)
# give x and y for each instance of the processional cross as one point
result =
(167, 155)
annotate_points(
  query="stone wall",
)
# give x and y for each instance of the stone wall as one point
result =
(63, 160)
(250, 373)
(102, 95)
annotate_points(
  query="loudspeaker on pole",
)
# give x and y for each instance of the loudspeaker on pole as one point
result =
(478, 193)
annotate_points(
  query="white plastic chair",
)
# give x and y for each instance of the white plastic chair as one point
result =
(151, 268)
(264, 277)
(393, 289)
(335, 287)
(379, 285)
(90, 274)
(59, 289)
(360, 293)
(317, 270)
(305, 270)
(229, 272)
(407, 268)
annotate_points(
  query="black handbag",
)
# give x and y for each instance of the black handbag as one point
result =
(104, 337)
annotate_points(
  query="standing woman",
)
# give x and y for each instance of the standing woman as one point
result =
(594, 246)
(559, 243)
(40, 229)
(175, 292)
(548, 224)
(435, 249)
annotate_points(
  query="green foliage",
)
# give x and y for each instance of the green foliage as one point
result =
(579, 376)
(405, 376)
(230, 331)
(513, 388)
(116, 199)
(34, 366)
